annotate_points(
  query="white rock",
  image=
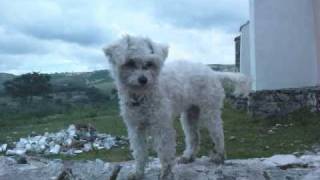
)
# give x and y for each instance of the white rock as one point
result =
(87, 147)
(55, 149)
(28, 147)
(22, 143)
(60, 136)
(95, 145)
(51, 143)
(109, 143)
(42, 147)
(78, 151)
(3, 147)
(270, 131)
(36, 138)
(282, 160)
(43, 140)
(72, 130)
(68, 142)
(16, 152)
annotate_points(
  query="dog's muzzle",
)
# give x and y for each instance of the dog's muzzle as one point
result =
(142, 80)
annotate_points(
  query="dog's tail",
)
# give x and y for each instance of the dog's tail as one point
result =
(235, 84)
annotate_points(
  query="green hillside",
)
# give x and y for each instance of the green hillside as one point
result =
(3, 78)
(100, 79)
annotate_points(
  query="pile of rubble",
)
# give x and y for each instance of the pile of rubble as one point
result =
(74, 140)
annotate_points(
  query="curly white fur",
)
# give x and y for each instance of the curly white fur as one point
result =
(152, 93)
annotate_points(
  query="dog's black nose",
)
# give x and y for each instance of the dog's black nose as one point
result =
(143, 80)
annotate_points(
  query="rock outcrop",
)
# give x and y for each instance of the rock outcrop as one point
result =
(306, 167)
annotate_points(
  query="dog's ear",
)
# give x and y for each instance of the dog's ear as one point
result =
(159, 49)
(109, 52)
(164, 51)
(117, 49)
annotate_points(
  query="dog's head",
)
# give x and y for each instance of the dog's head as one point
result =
(136, 62)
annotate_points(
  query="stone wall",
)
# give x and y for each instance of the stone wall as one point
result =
(270, 103)
(277, 103)
(240, 103)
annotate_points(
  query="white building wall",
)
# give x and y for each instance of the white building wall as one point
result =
(316, 11)
(245, 50)
(283, 44)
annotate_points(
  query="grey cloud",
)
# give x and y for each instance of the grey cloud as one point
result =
(72, 62)
(81, 34)
(199, 14)
(60, 35)
(17, 43)
(53, 21)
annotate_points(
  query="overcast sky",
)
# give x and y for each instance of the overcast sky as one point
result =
(67, 35)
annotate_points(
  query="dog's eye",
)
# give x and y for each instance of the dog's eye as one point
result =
(130, 64)
(149, 65)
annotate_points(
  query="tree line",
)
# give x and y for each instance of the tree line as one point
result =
(30, 85)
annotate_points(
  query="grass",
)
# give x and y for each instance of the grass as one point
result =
(245, 137)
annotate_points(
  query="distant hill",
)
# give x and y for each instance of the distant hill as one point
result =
(100, 79)
(223, 67)
(3, 78)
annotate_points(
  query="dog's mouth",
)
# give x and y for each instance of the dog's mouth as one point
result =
(140, 87)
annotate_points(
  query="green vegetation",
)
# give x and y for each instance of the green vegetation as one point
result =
(28, 85)
(245, 137)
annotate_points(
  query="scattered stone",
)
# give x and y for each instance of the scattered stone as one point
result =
(281, 160)
(73, 140)
(78, 151)
(87, 147)
(270, 131)
(55, 149)
(231, 138)
(16, 152)
(278, 125)
(3, 147)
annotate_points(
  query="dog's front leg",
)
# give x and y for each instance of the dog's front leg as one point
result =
(137, 137)
(165, 145)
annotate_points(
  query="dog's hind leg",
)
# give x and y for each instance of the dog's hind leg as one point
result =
(190, 125)
(214, 124)
(140, 152)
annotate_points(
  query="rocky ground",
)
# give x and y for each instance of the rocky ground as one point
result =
(287, 167)
(18, 164)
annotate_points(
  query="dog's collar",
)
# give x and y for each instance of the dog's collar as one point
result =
(136, 100)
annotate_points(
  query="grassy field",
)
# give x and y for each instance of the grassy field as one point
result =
(245, 137)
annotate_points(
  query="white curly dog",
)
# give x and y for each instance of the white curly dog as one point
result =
(153, 93)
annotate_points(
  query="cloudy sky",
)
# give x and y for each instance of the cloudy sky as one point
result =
(67, 35)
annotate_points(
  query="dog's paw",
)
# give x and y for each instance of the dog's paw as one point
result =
(135, 176)
(167, 175)
(217, 158)
(185, 160)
